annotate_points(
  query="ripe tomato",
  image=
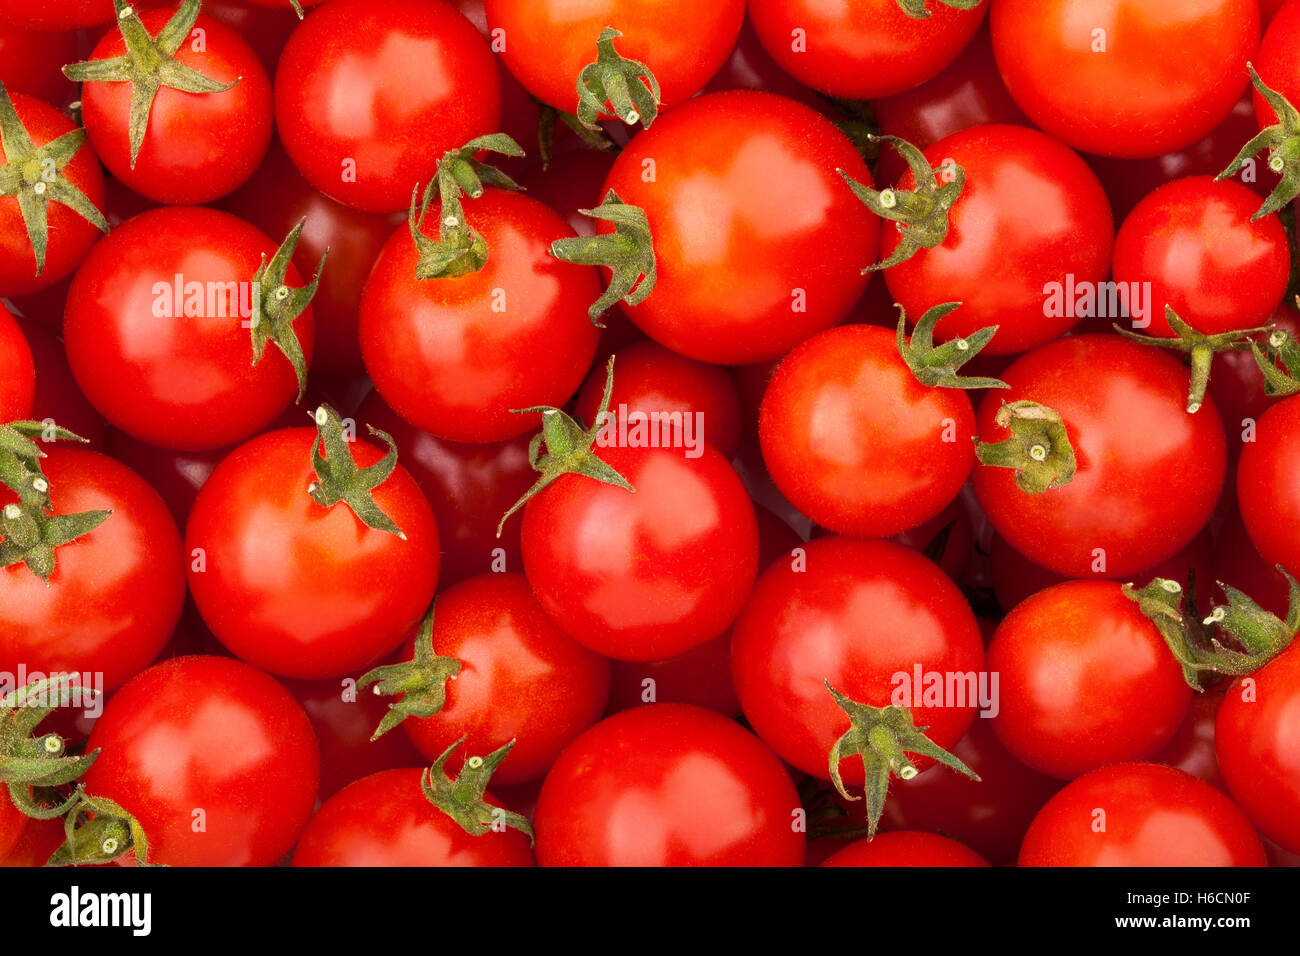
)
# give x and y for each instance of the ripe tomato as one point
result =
(265, 27)
(12, 824)
(1100, 75)
(1003, 254)
(856, 442)
(546, 43)
(1192, 747)
(1140, 814)
(670, 785)
(863, 615)
(571, 183)
(1238, 563)
(50, 15)
(864, 49)
(177, 476)
(1257, 741)
(453, 356)
(1085, 680)
(165, 301)
(17, 371)
(1238, 386)
(647, 575)
(386, 820)
(1193, 240)
(1278, 65)
(369, 95)
(37, 842)
(735, 283)
(906, 848)
(521, 678)
(212, 757)
(57, 396)
(33, 63)
(1148, 474)
(298, 589)
(1268, 485)
(115, 594)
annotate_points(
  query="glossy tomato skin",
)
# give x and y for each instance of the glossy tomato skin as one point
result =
(647, 575)
(57, 396)
(856, 442)
(548, 42)
(177, 476)
(51, 15)
(297, 589)
(37, 841)
(865, 49)
(522, 678)
(1277, 64)
(737, 285)
(70, 236)
(1237, 562)
(1153, 816)
(183, 344)
(32, 63)
(386, 820)
(860, 614)
(215, 734)
(1257, 740)
(668, 785)
(17, 371)
(1131, 100)
(1193, 240)
(115, 594)
(1085, 679)
(453, 356)
(1148, 474)
(1239, 388)
(1268, 485)
(370, 94)
(1003, 253)
(197, 147)
(12, 825)
(906, 848)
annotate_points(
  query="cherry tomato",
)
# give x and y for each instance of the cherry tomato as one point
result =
(17, 371)
(12, 824)
(213, 758)
(1238, 386)
(298, 589)
(1238, 563)
(670, 785)
(32, 63)
(58, 399)
(906, 848)
(1268, 485)
(1278, 65)
(164, 302)
(1140, 814)
(572, 182)
(265, 26)
(177, 476)
(1192, 747)
(51, 15)
(1102, 76)
(370, 94)
(736, 285)
(36, 843)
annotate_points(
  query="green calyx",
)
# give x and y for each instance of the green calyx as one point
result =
(920, 215)
(276, 306)
(628, 87)
(1039, 449)
(34, 176)
(463, 800)
(882, 737)
(1257, 634)
(568, 448)
(916, 9)
(339, 479)
(29, 532)
(1199, 347)
(28, 761)
(1282, 140)
(937, 366)
(593, 137)
(422, 681)
(99, 831)
(459, 249)
(628, 251)
(1282, 349)
(149, 64)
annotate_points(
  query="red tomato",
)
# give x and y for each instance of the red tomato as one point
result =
(671, 785)
(572, 182)
(386, 820)
(12, 824)
(1257, 740)
(1193, 241)
(736, 284)
(197, 147)
(33, 63)
(1278, 64)
(115, 594)
(57, 396)
(283, 4)
(1192, 747)
(164, 302)
(750, 67)
(864, 49)
(177, 476)
(863, 615)
(213, 735)
(647, 575)
(264, 29)
(36, 843)
(856, 442)
(1099, 74)
(1238, 563)
(1238, 386)
(906, 848)
(1148, 474)
(370, 94)
(17, 371)
(298, 589)
(49, 15)
(546, 43)
(1268, 485)
(1140, 814)
(1003, 255)
(453, 356)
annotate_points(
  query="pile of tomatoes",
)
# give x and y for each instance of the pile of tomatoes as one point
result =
(499, 432)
